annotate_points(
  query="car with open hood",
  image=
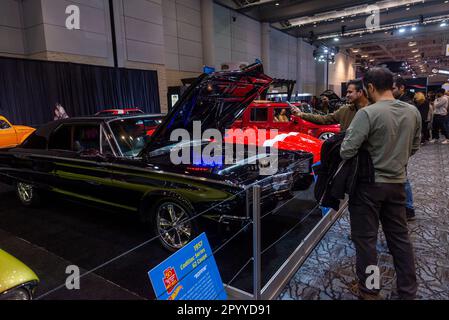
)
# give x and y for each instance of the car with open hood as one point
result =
(112, 161)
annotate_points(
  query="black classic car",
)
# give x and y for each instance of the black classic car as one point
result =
(122, 162)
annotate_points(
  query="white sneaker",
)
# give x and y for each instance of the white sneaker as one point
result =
(445, 142)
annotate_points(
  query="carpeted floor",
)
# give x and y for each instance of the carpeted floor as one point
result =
(331, 267)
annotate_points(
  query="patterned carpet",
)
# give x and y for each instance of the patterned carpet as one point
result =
(331, 267)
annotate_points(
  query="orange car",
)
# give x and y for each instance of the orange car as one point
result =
(11, 136)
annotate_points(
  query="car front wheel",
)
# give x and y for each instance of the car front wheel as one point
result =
(171, 222)
(27, 194)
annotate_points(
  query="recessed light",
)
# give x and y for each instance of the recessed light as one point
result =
(277, 3)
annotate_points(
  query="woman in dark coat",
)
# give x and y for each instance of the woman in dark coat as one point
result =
(426, 115)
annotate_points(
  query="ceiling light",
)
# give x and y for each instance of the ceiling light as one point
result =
(336, 39)
(443, 24)
(402, 30)
(415, 51)
(326, 50)
(412, 44)
(417, 56)
(414, 28)
(356, 50)
(364, 56)
(407, 9)
(277, 3)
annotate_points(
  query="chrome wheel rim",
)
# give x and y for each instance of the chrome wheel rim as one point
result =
(171, 225)
(327, 135)
(25, 191)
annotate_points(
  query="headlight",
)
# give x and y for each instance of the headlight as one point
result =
(23, 292)
(16, 294)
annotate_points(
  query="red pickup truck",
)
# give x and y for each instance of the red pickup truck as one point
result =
(277, 115)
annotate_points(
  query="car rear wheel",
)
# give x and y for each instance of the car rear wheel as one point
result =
(27, 194)
(326, 135)
(171, 223)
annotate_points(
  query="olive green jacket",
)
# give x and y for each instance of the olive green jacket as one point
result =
(342, 116)
(390, 131)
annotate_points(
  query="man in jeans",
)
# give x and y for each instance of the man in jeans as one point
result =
(440, 115)
(390, 130)
(400, 93)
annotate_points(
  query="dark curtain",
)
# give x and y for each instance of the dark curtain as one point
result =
(29, 89)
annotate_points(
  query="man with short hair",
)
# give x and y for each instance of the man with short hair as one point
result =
(357, 100)
(400, 92)
(390, 130)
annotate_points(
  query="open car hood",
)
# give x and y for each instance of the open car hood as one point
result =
(215, 100)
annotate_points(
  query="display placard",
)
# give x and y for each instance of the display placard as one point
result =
(189, 274)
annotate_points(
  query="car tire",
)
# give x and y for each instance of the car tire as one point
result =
(166, 215)
(326, 135)
(28, 195)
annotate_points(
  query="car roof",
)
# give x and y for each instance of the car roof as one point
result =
(48, 128)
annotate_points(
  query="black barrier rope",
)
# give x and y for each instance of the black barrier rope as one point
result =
(234, 277)
(291, 230)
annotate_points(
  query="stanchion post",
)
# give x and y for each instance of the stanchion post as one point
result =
(257, 270)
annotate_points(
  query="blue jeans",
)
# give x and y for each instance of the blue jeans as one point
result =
(409, 193)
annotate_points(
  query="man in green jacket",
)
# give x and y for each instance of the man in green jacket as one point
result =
(343, 116)
(390, 130)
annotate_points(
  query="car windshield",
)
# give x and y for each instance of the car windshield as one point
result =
(131, 134)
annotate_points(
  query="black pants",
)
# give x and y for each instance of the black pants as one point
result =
(425, 133)
(439, 123)
(382, 202)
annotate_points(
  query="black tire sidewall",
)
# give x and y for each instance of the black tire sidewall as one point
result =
(153, 218)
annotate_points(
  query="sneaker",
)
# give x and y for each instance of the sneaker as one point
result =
(354, 288)
(411, 216)
(445, 142)
(432, 141)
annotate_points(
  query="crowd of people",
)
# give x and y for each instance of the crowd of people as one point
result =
(382, 119)
(433, 108)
